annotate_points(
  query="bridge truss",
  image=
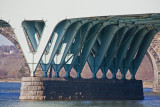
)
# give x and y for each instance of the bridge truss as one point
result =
(105, 43)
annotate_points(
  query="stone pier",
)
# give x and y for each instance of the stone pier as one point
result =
(156, 83)
(38, 88)
(32, 88)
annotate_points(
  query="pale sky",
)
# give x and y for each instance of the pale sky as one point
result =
(50, 8)
(60, 9)
(4, 41)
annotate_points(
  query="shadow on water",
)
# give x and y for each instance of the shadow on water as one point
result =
(9, 94)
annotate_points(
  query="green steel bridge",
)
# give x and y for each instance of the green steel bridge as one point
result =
(115, 43)
(106, 42)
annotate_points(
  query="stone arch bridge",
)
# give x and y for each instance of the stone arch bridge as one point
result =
(145, 25)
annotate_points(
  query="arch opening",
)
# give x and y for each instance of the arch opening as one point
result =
(12, 62)
(153, 53)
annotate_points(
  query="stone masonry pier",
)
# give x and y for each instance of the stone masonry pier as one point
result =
(39, 88)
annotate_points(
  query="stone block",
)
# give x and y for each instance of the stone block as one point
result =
(23, 87)
(37, 79)
(40, 93)
(40, 88)
(26, 83)
(37, 83)
(25, 93)
(26, 79)
(23, 97)
(32, 88)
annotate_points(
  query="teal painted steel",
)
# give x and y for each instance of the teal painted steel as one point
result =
(107, 43)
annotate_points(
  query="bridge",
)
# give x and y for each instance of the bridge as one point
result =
(104, 42)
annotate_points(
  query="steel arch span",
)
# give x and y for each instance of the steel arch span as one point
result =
(107, 43)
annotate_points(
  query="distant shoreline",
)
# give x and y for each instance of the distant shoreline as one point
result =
(145, 83)
(10, 80)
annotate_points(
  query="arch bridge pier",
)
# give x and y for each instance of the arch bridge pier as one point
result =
(115, 43)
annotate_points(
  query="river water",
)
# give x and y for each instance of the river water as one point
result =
(9, 93)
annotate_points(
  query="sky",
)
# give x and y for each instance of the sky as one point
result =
(61, 9)
(67, 8)
(4, 41)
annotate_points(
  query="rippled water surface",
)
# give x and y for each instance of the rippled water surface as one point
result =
(9, 93)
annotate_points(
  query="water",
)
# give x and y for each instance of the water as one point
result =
(9, 93)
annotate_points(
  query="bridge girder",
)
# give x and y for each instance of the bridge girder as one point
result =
(106, 43)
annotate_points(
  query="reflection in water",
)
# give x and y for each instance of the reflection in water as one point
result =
(9, 93)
